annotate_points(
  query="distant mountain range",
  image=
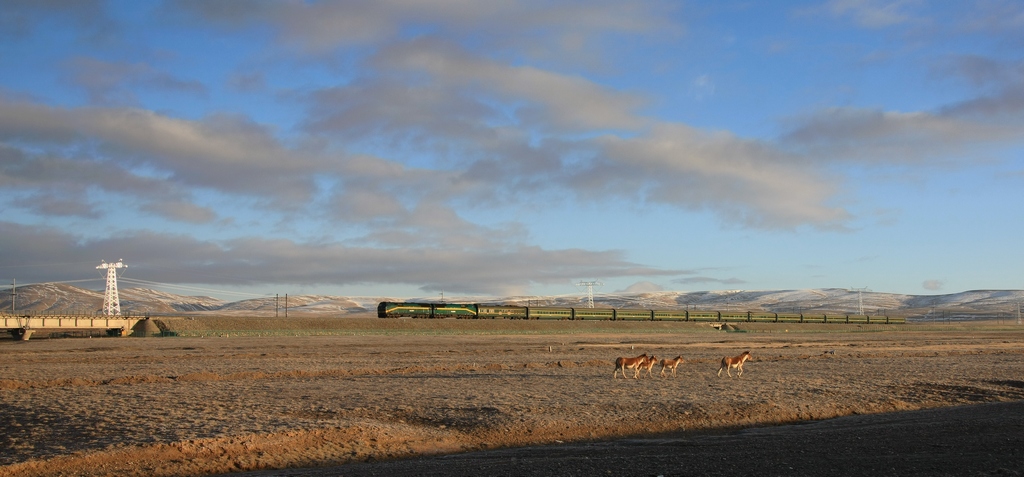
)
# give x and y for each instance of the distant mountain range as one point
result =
(58, 298)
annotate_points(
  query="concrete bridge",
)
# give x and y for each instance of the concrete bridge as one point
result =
(22, 326)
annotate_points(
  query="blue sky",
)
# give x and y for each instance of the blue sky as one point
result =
(402, 149)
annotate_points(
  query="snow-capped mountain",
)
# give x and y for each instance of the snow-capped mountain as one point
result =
(53, 298)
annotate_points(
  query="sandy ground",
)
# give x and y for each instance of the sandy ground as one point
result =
(387, 399)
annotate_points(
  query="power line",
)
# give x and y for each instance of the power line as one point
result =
(64, 281)
(152, 283)
(190, 288)
(860, 298)
(56, 264)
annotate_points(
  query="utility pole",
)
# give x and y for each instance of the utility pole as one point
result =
(14, 299)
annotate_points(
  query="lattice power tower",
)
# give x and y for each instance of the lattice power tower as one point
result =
(590, 291)
(111, 302)
(860, 298)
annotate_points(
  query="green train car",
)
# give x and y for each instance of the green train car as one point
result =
(703, 316)
(549, 313)
(671, 315)
(593, 314)
(501, 311)
(634, 315)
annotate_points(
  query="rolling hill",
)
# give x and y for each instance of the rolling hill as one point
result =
(58, 298)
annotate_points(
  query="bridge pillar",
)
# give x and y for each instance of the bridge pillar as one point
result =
(21, 334)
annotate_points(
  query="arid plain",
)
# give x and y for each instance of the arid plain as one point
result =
(257, 394)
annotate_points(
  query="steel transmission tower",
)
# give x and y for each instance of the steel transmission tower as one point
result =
(111, 302)
(860, 298)
(590, 291)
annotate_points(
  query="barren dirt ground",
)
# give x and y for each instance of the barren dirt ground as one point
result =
(222, 404)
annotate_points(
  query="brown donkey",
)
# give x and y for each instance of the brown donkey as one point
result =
(629, 363)
(734, 362)
(671, 364)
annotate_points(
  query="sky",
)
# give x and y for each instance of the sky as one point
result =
(512, 147)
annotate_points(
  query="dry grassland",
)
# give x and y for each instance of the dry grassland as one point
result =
(250, 394)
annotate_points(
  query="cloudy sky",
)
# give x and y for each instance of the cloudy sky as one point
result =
(410, 148)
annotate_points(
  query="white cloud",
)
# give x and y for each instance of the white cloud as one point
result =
(703, 280)
(225, 153)
(745, 181)
(702, 87)
(169, 258)
(890, 137)
(115, 83)
(874, 13)
(643, 287)
(565, 102)
(540, 28)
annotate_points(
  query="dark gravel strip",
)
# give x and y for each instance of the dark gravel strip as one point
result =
(984, 439)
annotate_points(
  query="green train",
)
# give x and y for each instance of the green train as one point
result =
(391, 309)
